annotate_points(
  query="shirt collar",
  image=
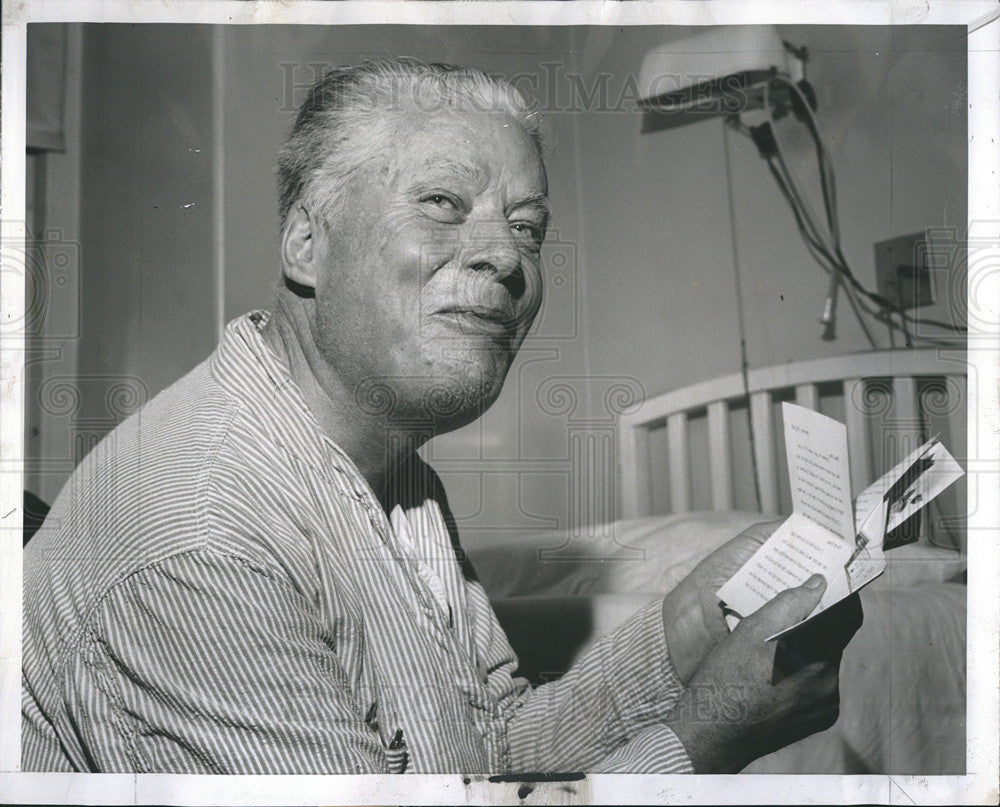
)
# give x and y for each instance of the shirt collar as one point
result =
(253, 373)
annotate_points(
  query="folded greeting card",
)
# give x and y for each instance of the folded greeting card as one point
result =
(826, 533)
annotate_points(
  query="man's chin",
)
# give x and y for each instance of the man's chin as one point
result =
(461, 390)
(453, 405)
(438, 390)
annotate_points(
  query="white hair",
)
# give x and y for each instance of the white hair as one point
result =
(339, 124)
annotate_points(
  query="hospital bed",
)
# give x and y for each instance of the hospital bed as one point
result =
(700, 464)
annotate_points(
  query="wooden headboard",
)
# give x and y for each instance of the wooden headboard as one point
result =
(889, 400)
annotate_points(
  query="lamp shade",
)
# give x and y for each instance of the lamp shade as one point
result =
(712, 72)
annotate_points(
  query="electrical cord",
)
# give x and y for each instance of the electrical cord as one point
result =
(817, 249)
(804, 112)
(855, 307)
(780, 151)
(828, 186)
(829, 263)
(771, 147)
(828, 254)
(762, 137)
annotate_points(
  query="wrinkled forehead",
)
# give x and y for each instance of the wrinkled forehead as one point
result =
(479, 148)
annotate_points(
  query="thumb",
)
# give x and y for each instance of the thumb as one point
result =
(789, 607)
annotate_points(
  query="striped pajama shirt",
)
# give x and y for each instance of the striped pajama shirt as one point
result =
(217, 590)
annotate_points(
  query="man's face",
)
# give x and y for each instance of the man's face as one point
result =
(430, 276)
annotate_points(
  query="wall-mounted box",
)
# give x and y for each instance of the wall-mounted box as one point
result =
(904, 270)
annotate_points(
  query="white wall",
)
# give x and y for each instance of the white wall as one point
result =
(127, 243)
(145, 208)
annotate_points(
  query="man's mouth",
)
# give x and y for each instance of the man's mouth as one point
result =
(480, 318)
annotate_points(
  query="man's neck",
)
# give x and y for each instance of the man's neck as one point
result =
(374, 448)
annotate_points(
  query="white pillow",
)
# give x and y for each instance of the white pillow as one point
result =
(649, 556)
(641, 556)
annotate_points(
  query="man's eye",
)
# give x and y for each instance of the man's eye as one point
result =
(441, 200)
(527, 228)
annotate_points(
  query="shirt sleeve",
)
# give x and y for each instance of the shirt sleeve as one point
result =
(607, 714)
(203, 663)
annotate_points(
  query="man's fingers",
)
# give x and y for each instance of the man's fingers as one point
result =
(819, 682)
(822, 639)
(854, 616)
(727, 559)
(761, 531)
(788, 608)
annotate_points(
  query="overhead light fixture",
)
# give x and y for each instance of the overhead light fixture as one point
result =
(722, 70)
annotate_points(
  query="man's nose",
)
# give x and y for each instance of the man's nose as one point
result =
(498, 254)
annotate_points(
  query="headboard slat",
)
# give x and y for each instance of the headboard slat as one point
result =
(902, 434)
(807, 395)
(720, 456)
(677, 449)
(957, 416)
(762, 429)
(857, 435)
(635, 490)
(904, 389)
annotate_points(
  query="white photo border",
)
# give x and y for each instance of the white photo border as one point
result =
(980, 783)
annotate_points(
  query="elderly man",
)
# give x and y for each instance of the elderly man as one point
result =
(256, 574)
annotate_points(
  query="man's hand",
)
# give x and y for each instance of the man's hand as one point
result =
(692, 618)
(737, 709)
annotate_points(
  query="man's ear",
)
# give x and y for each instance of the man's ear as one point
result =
(299, 246)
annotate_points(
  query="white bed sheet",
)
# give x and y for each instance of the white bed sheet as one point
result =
(902, 677)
